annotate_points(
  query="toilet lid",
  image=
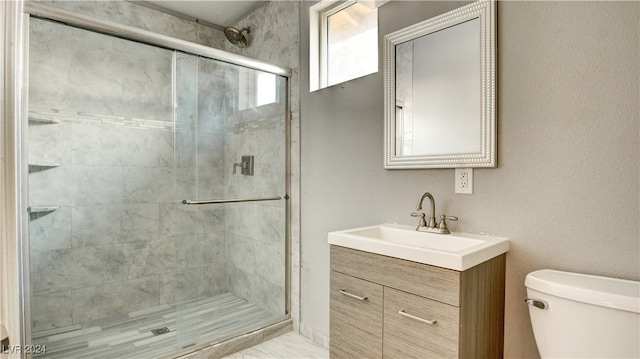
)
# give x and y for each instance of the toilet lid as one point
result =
(603, 291)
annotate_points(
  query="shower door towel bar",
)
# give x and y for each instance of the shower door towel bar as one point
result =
(231, 200)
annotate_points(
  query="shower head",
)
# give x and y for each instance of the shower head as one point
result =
(235, 36)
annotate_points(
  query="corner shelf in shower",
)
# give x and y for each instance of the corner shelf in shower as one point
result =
(36, 212)
(42, 121)
(42, 209)
(41, 166)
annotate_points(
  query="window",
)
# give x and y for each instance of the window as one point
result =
(256, 88)
(265, 88)
(344, 42)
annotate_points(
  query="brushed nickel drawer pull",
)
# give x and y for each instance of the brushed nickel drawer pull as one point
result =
(430, 322)
(353, 295)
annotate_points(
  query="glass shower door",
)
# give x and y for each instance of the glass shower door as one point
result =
(231, 171)
(120, 134)
(100, 152)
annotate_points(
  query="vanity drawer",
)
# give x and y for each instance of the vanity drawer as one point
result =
(406, 337)
(355, 323)
(428, 281)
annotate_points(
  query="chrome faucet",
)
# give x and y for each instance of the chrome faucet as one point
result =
(419, 213)
(430, 225)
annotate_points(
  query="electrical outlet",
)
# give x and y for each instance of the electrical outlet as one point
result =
(464, 180)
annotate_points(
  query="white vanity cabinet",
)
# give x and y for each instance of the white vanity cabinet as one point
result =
(384, 307)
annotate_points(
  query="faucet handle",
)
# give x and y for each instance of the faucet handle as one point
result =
(423, 221)
(442, 226)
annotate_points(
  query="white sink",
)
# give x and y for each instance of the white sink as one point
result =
(458, 251)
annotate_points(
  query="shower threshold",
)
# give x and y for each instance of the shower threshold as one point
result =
(153, 332)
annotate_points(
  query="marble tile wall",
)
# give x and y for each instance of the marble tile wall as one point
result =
(275, 38)
(199, 157)
(255, 231)
(131, 14)
(120, 240)
(73, 57)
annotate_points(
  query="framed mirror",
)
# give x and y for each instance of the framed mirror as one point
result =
(440, 91)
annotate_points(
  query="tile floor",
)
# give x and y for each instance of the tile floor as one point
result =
(287, 346)
(130, 335)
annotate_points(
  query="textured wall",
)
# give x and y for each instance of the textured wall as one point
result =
(566, 191)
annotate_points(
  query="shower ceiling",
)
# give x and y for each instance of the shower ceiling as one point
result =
(220, 13)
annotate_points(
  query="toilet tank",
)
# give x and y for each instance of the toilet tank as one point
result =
(586, 316)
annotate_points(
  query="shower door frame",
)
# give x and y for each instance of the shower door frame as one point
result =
(16, 114)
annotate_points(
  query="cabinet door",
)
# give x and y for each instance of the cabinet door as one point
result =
(417, 327)
(356, 318)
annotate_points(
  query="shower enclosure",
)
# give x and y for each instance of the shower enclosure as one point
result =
(156, 195)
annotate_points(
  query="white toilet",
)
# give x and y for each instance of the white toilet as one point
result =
(583, 316)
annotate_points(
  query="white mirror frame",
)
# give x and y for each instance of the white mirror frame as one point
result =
(485, 10)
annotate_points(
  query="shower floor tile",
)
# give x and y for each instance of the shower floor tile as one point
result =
(153, 332)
